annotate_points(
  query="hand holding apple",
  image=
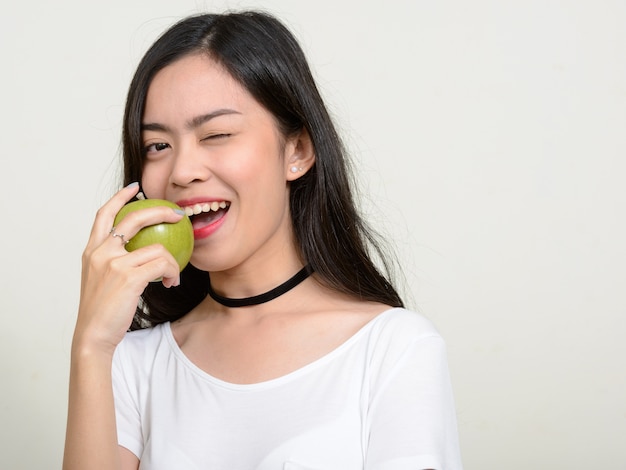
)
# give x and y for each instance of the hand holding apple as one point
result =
(177, 238)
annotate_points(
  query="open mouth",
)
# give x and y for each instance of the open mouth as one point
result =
(205, 214)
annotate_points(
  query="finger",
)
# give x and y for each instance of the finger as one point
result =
(148, 264)
(106, 214)
(136, 220)
(121, 280)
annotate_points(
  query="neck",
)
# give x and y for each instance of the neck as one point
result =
(263, 297)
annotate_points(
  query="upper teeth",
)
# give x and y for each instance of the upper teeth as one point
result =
(205, 207)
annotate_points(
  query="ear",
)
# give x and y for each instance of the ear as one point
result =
(300, 155)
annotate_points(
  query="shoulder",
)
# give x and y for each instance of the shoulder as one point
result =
(146, 335)
(142, 344)
(404, 326)
(400, 336)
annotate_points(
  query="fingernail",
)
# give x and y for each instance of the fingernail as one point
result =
(132, 185)
(179, 211)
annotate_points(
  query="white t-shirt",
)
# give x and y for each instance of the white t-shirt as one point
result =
(380, 401)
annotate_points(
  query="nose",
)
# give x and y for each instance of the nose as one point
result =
(189, 167)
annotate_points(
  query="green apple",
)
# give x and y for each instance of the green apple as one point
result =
(177, 238)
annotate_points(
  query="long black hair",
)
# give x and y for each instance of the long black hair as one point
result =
(265, 58)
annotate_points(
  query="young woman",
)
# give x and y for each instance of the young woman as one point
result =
(281, 346)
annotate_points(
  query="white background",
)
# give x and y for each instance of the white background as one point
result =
(489, 137)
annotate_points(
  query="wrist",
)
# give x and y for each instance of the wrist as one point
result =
(84, 347)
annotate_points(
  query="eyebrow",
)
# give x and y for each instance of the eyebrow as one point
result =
(192, 123)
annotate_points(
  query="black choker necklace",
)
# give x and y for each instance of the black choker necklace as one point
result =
(267, 296)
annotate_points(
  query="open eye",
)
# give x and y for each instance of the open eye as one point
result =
(157, 147)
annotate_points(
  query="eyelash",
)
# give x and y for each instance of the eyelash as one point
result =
(215, 136)
(160, 146)
(157, 147)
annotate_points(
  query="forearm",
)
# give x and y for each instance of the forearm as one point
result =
(91, 437)
(112, 281)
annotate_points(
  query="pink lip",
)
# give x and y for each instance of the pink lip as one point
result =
(207, 230)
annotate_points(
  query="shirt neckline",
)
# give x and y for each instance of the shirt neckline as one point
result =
(328, 357)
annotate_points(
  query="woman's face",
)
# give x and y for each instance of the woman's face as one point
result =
(215, 151)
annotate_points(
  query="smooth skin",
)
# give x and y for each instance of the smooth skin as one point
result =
(206, 138)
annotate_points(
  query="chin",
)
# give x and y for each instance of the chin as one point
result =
(209, 263)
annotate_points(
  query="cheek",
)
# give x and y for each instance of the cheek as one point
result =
(271, 192)
(152, 183)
